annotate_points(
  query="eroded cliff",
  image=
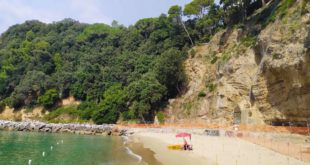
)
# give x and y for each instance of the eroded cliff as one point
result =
(239, 77)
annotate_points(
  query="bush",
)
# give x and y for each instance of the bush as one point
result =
(225, 58)
(87, 109)
(279, 11)
(83, 112)
(202, 94)
(303, 6)
(307, 42)
(248, 41)
(192, 52)
(213, 60)
(210, 85)
(161, 117)
(72, 111)
(2, 106)
(276, 56)
(285, 4)
(49, 98)
(105, 116)
(17, 100)
(239, 26)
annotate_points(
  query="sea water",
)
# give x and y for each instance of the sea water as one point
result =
(24, 148)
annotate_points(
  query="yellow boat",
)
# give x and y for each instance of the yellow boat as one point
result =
(175, 147)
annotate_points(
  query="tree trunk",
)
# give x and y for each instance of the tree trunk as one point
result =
(187, 33)
(263, 3)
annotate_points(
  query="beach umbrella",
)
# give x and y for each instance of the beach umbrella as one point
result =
(184, 134)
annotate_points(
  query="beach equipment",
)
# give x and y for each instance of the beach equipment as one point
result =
(175, 147)
(184, 146)
(184, 134)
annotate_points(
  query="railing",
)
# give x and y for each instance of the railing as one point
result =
(287, 147)
(254, 128)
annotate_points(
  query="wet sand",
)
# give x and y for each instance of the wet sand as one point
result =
(148, 156)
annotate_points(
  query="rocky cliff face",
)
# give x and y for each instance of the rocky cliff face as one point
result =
(235, 78)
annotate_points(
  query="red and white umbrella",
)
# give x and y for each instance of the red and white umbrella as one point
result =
(184, 134)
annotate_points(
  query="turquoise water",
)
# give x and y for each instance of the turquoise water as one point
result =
(17, 148)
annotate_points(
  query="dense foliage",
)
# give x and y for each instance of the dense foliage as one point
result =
(114, 70)
(130, 70)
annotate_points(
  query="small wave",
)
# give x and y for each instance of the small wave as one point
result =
(125, 137)
(136, 156)
(125, 140)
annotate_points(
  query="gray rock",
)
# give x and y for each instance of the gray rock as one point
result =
(35, 126)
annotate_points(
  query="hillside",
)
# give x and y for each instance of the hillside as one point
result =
(249, 65)
(243, 78)
(112, 70)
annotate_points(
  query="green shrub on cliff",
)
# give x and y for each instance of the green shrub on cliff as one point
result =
(248, 41)
(192, 52)
(202, 94)
(307, 41)
(210, 85)
(2, 106)
(161, 117)
(71, 110)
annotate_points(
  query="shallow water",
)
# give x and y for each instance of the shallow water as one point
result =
(17, 148)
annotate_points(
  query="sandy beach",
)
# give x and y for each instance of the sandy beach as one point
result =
(158, 146)
(210, 151)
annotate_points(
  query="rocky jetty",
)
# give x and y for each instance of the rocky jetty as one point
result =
(35, 126)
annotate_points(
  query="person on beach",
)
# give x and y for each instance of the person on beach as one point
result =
(186, 146)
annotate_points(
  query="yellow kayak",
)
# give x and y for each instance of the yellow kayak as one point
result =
(175, 147)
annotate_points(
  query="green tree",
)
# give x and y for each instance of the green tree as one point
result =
(236, 10)
(94, 57)
(175, 13)
(86, 109)
(169, 71)
(49, 98)
(144, 97)
(30, 87)
(111, 106)
(198, 7)
(57, 61)
(30, 35)
(42, 45)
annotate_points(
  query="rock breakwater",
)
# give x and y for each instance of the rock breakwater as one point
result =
(36, 126)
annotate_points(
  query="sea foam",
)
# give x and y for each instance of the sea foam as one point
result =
(136, 156)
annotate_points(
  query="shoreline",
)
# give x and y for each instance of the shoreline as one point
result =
(210, 146)
(142, 154)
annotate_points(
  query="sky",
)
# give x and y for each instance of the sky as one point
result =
(126, 12)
